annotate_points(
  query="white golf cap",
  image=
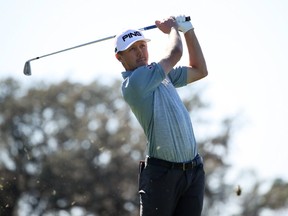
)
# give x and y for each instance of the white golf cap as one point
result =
(124, 40)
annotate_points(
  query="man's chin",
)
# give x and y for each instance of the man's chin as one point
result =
(141, 63)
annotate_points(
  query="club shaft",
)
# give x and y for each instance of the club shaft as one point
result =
(81, 45)
(91, 42)
(96, 41)
(27, 69)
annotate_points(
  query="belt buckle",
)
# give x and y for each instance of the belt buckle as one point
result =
(183, 166)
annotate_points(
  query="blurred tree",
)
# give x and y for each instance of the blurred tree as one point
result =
(69, 145)
(275, 199)
(72, 147)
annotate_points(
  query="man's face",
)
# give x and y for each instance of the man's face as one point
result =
(135, 56)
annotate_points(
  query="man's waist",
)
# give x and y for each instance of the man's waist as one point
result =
(175, 165)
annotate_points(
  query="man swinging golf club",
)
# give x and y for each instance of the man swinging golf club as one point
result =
(172, 180)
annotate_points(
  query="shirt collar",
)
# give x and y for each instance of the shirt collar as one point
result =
(126, 74)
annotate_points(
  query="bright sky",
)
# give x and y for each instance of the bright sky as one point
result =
(244, 42)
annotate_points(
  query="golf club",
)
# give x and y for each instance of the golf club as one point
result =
(27, 67)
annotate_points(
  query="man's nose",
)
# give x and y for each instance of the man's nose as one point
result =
(139, 51)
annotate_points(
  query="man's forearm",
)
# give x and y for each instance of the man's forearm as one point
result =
(175, 43)
(196, 57)
(173, 51)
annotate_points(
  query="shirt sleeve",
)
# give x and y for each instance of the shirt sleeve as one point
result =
(144, 80)
(178, 76)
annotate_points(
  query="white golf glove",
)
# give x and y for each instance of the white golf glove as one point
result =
(183, 25)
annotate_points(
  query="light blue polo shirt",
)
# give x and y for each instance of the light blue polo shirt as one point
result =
(157, 106)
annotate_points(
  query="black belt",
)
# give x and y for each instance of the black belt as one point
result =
(173, 165)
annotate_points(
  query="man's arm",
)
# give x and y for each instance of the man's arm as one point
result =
(175, 49)
(197, 68)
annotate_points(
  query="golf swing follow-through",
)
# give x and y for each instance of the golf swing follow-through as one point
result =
(27, 67)
(172, 177)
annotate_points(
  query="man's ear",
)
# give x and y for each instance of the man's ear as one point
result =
(118, 57)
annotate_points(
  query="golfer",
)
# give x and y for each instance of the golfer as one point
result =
(172, 180)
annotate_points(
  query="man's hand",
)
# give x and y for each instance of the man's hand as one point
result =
(183, 25)
(166, 25)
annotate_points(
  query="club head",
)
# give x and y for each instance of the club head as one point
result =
(27, 68)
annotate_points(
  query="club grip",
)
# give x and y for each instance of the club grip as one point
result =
(154, 26)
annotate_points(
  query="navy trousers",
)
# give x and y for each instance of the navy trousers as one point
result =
(168, 191)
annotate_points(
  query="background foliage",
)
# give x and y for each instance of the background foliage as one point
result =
(73, 149)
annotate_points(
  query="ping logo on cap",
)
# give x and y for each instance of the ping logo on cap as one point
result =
(124, 40)
(131, 35)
